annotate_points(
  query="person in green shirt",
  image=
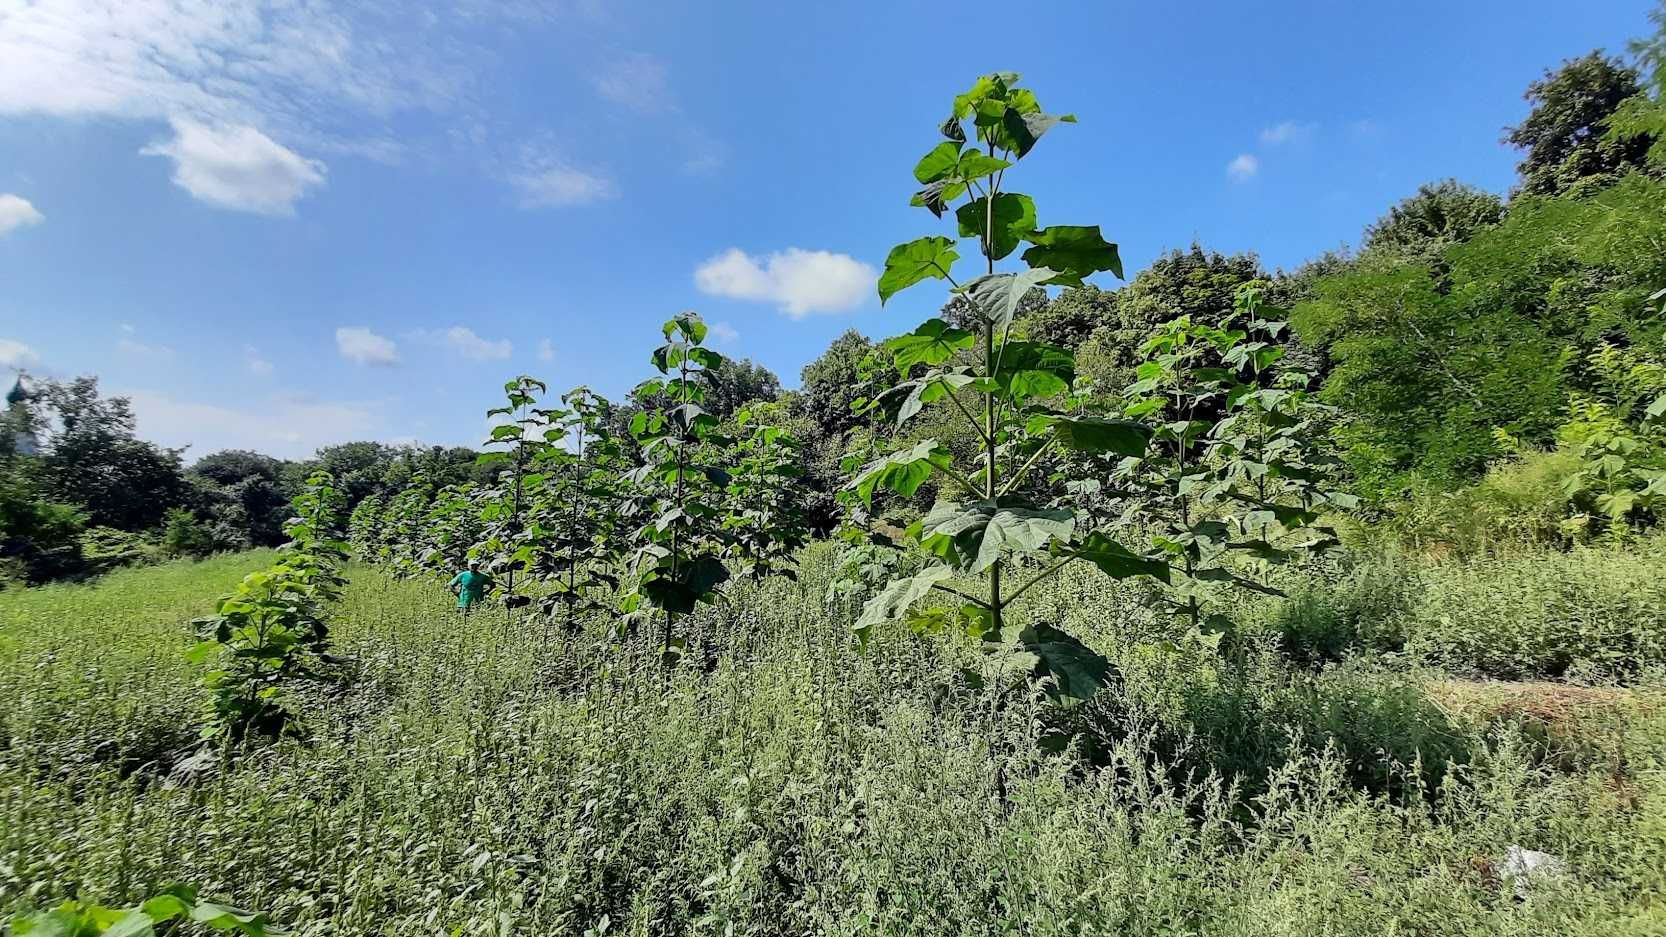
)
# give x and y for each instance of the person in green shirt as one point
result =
(470, 586)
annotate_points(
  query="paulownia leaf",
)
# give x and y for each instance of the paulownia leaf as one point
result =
(939, 163)
(1032, 369)
(1216, 574)
(901, 472)
(1095, 434)
(909, 263)
(895, 600)
(932, 343)
(973, 536)
(1117, 561)
(1074, 672)
(693, 582)
(998, 295)
(1014, 219)
(689, 324)
(1073, 252)
(933, 387)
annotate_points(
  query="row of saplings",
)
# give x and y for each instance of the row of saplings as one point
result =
(1198, 474)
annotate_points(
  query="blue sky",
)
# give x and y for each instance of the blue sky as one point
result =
(277, 225)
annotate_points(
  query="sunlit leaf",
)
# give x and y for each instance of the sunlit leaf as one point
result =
(908, 264)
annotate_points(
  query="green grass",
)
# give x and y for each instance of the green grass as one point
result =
(486, 779)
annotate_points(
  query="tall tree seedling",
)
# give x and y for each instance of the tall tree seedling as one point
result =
(1006, 389)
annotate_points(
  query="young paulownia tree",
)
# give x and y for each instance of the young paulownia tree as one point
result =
(1009, 391)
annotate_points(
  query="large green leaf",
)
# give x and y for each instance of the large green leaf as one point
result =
(895, 599)
(939, 163)
(692, 582)
(931, 388)
(1073, 251)
(901, 472)
(1033, 369)
(975, 164)
(1013, 221)
(688, 323)
(1019, 131)
(1216, 574)
(993, 85)
(973, 536)
(998, 295)
(1095, 434)
(1074, 672)
(1117, 561)
(908, 264)
(936, 196)
(932, 343)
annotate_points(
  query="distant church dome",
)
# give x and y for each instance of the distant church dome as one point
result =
(17, 420)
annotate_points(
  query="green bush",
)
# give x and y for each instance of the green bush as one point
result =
(1593, 612)
(106, 548)
(1518, 501)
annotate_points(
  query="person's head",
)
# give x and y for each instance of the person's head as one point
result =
(474, 566)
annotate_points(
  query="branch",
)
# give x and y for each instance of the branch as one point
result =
(1039, 577)
(956, 592)
(1023, 470)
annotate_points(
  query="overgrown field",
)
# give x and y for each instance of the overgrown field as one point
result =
(495, 778)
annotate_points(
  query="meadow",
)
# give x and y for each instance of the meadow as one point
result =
(1324, 773)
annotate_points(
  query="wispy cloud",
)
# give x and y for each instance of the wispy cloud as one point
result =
(362, 346)
(559, 186)
(254, 363)
(1289, 131)
(462, 340)
(237, 167)
(724, 333)
(801, 282)
(1243, 167)
(14, 354)
(133, 348)
(635, 80)
(546, 350)
(308, 77)
(17, 212)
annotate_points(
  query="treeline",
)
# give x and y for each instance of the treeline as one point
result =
(80, 493)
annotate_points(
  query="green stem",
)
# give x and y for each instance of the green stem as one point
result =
(1025, 468)
(1049, 571)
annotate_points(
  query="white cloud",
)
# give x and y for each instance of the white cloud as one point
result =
(556, 186)
(462, 340)
(14, 354)
(800, 281)
(137, 349)
(1288, 131)
(724, 333)
(635, 80)
(237, 167)
(255, 364)
(305, 67)
(546, 350)
(360, 345)
(1243, 167)
(16, 212)
(284, 426)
